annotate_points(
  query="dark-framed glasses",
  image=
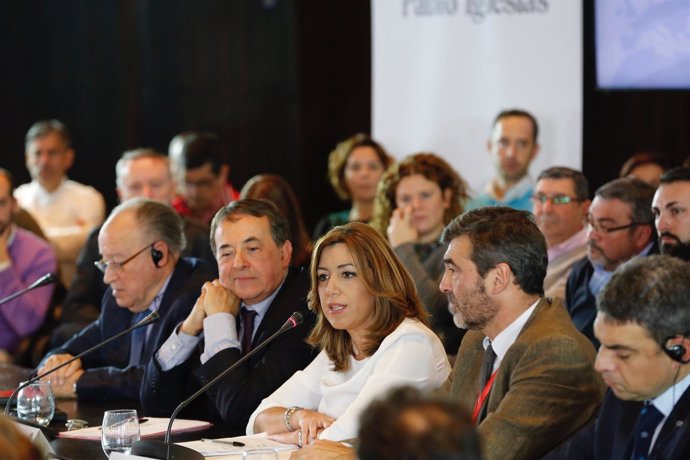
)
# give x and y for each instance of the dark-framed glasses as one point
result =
(555, 200)
(603, 228)
(103, 265)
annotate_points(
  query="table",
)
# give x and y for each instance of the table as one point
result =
(92, 412)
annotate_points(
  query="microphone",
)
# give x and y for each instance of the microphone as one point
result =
(151, 318)
(48, 278)
(167, 451)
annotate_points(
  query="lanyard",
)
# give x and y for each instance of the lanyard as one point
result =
(481, 398)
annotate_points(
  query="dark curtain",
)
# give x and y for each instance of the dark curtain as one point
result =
(280, 81)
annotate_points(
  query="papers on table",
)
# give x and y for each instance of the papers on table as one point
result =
(231, 446)
(152, 427)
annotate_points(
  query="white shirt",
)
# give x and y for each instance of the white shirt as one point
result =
(666, 401)
(411, 355)
(220, 332)
(66, 216)
(507, 337)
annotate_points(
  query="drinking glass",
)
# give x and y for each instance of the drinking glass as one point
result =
(36, 403)
(119, 431)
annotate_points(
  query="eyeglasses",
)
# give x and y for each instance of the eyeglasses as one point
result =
(555, 200)
(102, 265)
(603, 229)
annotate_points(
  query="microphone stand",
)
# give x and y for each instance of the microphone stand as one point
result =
(151, 318)
(48, 278)
(166, 450)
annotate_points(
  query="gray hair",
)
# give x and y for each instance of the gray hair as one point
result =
(135, 154)
(159, 220)
(45, 127)
(280, 229)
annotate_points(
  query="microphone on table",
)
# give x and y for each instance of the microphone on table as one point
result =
(48, 278)
(167, 451)
(151, 318)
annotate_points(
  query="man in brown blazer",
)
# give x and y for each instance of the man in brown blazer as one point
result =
(523, 369)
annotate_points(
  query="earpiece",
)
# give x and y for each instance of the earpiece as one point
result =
(156, 255)
(675, 352)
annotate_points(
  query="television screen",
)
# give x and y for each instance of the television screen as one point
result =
(642, 44)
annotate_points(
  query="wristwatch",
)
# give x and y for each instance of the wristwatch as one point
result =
(288, 414)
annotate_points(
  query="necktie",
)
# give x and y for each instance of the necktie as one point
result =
(247, 329)
(487, 366)
(647, 422)
(485, 375)
(138, 339)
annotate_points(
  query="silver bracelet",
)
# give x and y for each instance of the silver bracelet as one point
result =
(288, 414)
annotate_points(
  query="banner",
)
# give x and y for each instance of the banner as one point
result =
(443, 69)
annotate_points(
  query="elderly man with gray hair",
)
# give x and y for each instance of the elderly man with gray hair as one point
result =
(140, 243)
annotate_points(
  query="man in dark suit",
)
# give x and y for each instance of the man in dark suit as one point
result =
(256, 293)
(141, 243)
(620, 227)
(642, 323)
(140, 173)
(522, 366)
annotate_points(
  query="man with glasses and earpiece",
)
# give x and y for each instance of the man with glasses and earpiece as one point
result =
(620, 226)
(560, 204)
(140, 243)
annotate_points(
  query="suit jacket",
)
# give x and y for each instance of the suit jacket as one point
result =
(233, 399)
(107, 372)
(545, 388)
(610, 436)
(579, 300)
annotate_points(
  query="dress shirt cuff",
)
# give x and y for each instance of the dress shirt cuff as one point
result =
(220, 332)
(176, 349)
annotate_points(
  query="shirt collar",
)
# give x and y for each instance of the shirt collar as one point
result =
(43, 192)
(156, 303)
(13, 233)
(262, 307)
(668, 399)
(520, 188)
(505, 339)
(577, 240)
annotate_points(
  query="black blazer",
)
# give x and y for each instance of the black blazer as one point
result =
(610, 436)
(107, 372)
(233, 399)
(579, 300)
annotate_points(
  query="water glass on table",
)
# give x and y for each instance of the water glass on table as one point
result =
(119, 431)
(36, 403)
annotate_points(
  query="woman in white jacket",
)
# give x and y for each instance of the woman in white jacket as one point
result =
(373, 333)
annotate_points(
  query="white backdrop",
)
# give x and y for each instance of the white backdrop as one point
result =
(443, 69)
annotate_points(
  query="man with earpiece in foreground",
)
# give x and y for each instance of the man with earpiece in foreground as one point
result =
(140, 244)
(643, 324)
